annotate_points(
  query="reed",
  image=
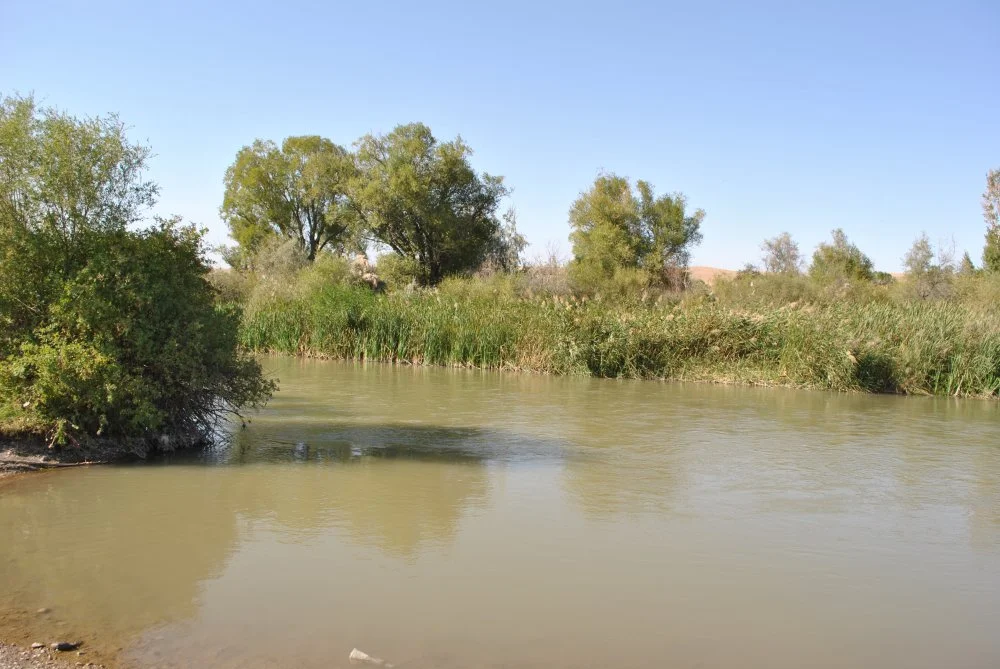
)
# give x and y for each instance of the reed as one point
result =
(871, 345)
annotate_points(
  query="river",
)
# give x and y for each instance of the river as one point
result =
(448, 518)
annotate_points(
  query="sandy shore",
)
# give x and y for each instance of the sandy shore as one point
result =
(15, 657)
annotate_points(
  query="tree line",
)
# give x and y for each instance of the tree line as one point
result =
(420, 198)
(405, 190)
(929, 270)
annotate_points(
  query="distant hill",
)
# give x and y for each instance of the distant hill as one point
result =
(709, 274)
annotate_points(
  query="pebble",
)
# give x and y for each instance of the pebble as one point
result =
(38, 645)
(44, 609)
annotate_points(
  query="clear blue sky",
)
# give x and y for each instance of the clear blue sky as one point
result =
(878, 117)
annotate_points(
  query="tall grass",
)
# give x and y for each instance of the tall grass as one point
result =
(801, 339)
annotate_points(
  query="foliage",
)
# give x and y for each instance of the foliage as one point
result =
(508, 244)
(278, 258)
(547, 275)
(781, 255)
(966, 267)
(925, 278)
(991, 214)
(397, 271)
(851, 343)
(616, 231)
(840, 260)
(107, 331)
(230, 285)
(62, 181)
(422, 199)
(297, 191)
(134, 346)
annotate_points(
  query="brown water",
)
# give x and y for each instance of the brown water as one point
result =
(447, 519)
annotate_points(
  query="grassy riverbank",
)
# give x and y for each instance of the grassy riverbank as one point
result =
(740, 332)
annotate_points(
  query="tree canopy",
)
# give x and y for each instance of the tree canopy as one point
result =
(422, 199)
(297, 191)
(616, 227)
(840, 259)
(929, 274)
(781, 255)
(106, 330)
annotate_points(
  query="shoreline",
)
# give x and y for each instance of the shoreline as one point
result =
(28, 453)
(756, 381)
(13, 656)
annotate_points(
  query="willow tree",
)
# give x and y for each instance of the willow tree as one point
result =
(616, 227)
(422, 199)
(297, 191)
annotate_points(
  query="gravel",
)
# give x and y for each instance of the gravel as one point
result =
(14, 657)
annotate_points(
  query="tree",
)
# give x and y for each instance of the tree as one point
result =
(991, 214)
(920, 256)
(508, 245)
(298, 191)
(840, 260)
(781, 255)
(966, 267)
(616, 228)
(422, 199)
(63, 182)
(106, 330)
(925, 278)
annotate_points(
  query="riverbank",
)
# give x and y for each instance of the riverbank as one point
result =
(24, 452)
(15, 657)
(868, 344)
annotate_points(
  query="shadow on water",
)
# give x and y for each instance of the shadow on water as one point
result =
(297, 441)
(122, 549)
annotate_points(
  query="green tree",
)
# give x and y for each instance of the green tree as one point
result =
(63, 181)
(781, 255)
(617, 230)
(107, 331)
(297, 191)
(991, 214)
(839, 260)
(422, 199)
(926, 278)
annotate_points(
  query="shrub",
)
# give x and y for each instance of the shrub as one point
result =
(108, 331)
(133, 346)
(398, 271)
(840, 260)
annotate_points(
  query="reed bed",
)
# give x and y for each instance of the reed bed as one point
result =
(851, 345)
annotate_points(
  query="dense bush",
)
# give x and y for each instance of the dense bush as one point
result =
(132, 345)
(107, 331)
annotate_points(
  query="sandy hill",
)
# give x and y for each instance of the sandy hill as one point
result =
(709, 274)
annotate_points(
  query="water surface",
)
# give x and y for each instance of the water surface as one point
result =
(448, 518)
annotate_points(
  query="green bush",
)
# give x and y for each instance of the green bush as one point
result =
(133, 346)
(399, 272)
(107, 331)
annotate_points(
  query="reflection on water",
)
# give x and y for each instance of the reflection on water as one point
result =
(445, 518)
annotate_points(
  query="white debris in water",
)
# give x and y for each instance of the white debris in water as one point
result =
(361, 657)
